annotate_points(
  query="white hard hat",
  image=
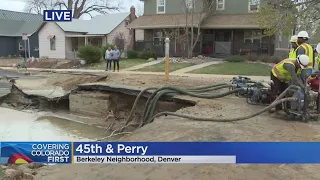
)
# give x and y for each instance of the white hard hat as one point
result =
(303, 60)
(303, 34)
(294, 38)
(318, 48)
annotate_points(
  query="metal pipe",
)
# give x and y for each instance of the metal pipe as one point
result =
(29, 47)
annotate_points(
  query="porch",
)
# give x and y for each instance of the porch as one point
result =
(74, 42)
(212, 42)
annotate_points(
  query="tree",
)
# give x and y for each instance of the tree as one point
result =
(206, 8)
(79, 7)
(37, 6)
(139, 8)
(287, 16)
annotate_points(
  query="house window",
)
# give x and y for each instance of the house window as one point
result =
(161, 6)
(157, 37)
(254, 5)
(220, 4)
(20, 46)
(53, 43)
(190, 4)
(126, 22)
(252, 36)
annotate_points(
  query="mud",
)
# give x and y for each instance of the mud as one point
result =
(266, 127)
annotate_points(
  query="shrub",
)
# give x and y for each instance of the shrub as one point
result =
(251, 57)
(147, 55)
(236, 58)
(132, 54)
(265, 58)
(91, 54)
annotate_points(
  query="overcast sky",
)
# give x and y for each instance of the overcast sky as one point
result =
(18, 5)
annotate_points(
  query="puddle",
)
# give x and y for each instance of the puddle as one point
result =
(23, 126)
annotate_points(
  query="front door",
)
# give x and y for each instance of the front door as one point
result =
(223, 42)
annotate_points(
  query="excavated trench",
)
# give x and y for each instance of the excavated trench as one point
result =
(102, 105)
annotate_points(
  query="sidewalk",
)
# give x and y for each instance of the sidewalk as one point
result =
(144, 65)
(198, 66)
(102, 72)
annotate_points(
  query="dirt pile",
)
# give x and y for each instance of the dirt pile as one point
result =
(19, 172)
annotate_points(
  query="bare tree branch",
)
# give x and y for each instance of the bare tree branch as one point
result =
(79, 7)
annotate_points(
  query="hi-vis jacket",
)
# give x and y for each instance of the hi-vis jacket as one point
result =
(281, 73)
(309, 52)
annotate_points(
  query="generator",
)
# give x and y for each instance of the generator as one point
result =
(259, 93)
(242, 83)
(306, 106)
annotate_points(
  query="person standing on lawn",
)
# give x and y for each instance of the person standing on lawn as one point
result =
(116, 58)
(108, 58)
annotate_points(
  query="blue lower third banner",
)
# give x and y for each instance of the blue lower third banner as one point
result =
(161, 152)
(198, 152)
(36, 152)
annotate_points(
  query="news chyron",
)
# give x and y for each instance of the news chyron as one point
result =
(57, 15)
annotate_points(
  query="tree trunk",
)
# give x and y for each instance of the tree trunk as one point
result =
(186, 36)
(192, 35)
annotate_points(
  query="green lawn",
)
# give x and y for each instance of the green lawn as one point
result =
(234, 68)
(161, 67)
(123, 63)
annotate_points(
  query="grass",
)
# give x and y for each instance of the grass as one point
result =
(235, 68)
(123, 63)
(161, 67)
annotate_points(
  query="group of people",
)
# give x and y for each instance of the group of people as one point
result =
(112, 55)
(296, 68)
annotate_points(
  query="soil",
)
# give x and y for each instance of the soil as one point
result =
(265, 127)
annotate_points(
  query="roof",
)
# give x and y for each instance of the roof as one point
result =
(179, 20)
(15, 23)
(16, 28)
(19, 16)
(101, 24)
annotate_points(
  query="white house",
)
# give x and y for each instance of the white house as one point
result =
(61, 40)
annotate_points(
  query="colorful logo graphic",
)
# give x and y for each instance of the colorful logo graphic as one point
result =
(15, 154)
(35, 152)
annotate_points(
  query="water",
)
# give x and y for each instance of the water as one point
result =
(23, 126)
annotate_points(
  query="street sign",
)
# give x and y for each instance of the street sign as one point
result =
(24, 36)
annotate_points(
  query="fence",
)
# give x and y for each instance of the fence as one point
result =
(176, 49)
(254, 48)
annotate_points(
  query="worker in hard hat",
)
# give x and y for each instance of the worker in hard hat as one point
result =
(284, 72)
(305, 48)
(294, 46)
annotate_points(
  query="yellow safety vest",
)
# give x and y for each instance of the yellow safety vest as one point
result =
(309, 52)
(292, 53)
(279, 72)
(318, 62)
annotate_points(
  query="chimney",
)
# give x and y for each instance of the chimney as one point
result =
(132, 14)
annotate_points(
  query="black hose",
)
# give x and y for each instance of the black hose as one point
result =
(273, 104)
(151, 109)
(226, 119)
(151, 104)
(149, 101)
(130, 116)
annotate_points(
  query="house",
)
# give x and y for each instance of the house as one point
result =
(61, 40)
(233, 29)
(13, 24)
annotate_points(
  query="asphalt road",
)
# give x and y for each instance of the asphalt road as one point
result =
(9, 73)
(5, 85)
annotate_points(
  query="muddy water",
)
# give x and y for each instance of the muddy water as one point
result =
(22, 126)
